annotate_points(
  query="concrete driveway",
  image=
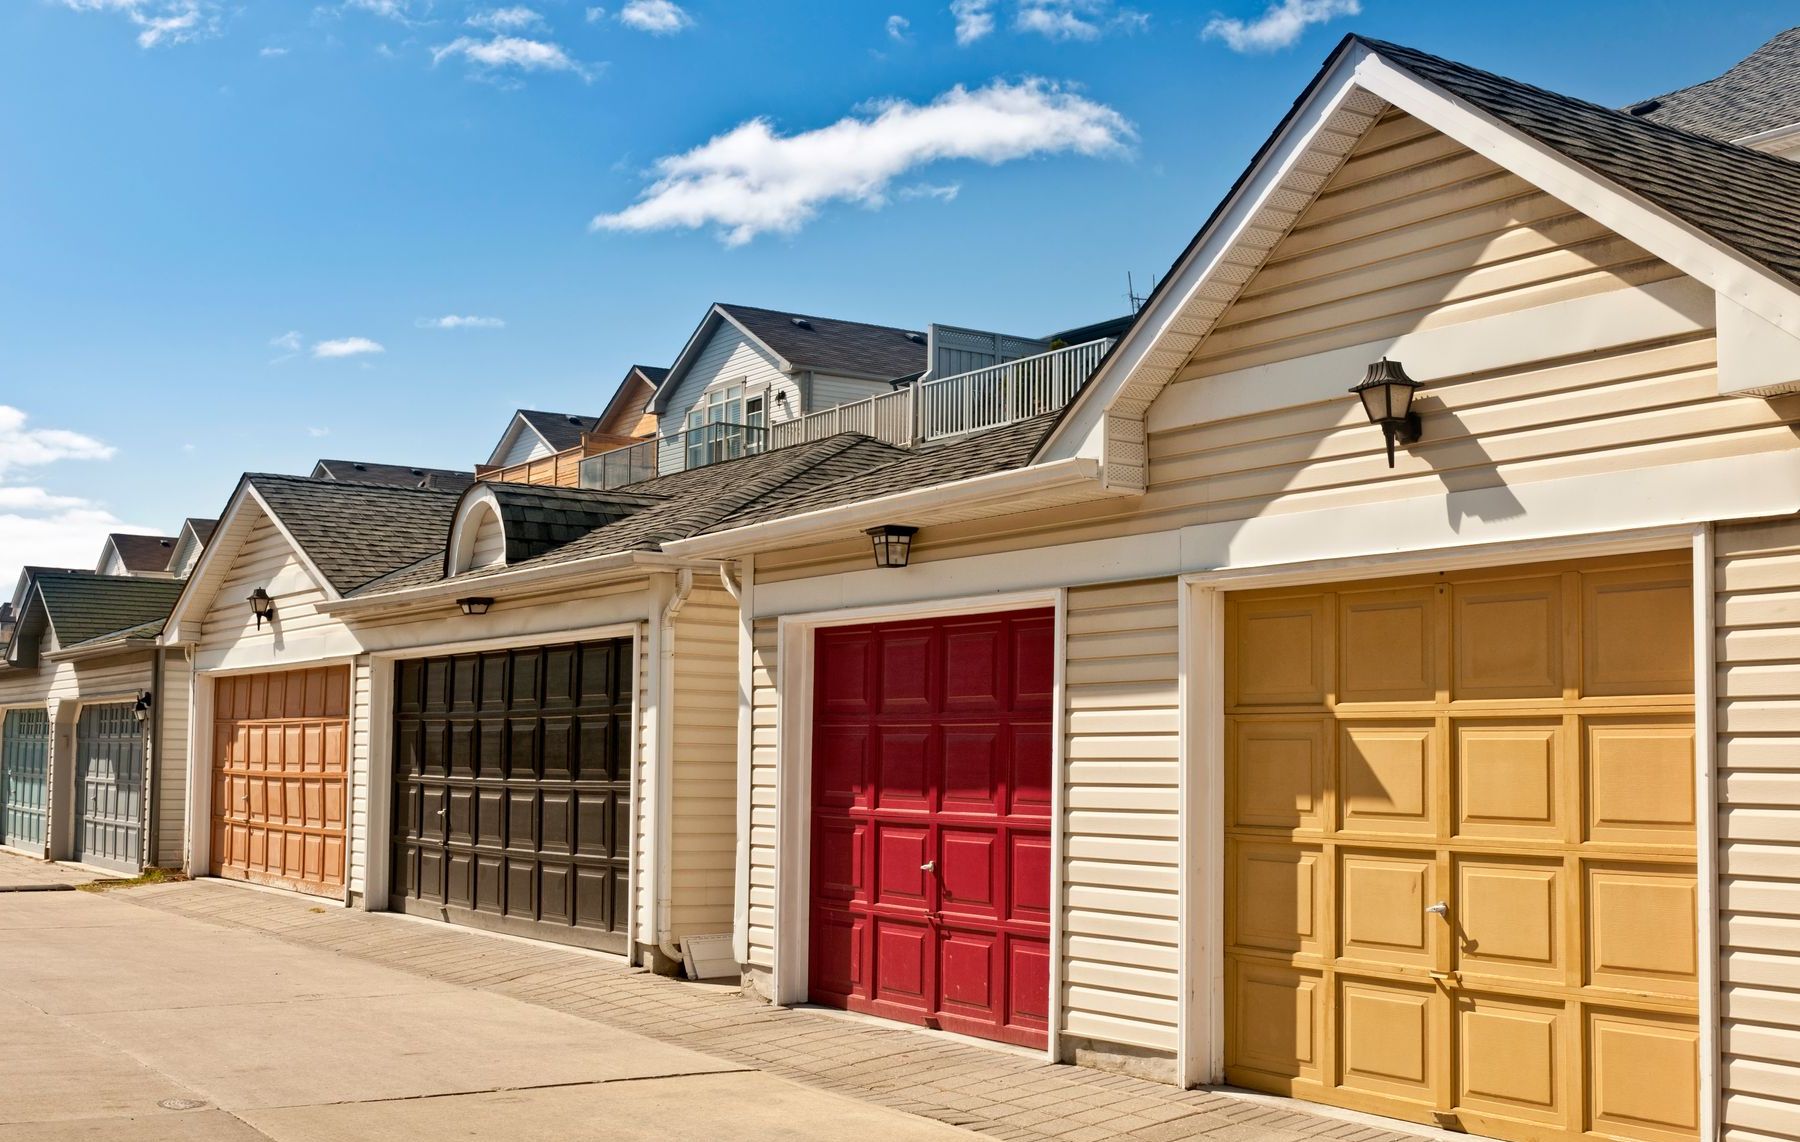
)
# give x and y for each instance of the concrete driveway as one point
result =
(122, 1022)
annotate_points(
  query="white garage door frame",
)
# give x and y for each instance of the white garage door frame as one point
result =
(1202, 672)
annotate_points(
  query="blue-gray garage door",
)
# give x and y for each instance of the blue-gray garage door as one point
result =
(24, 753)
(109, 787)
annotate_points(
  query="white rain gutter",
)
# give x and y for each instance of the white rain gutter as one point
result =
(1000, 489)
(662, 787)
(592, 570)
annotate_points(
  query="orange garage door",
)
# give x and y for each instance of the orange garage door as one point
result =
(281, 769)
(1460, 849)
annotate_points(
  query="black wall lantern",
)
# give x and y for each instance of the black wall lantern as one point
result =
(893, 544)
(262, 606)
(1387, 394)
(475, 605)
(140, 709)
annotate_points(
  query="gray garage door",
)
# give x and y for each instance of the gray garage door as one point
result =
(24, 751)
(109, 787)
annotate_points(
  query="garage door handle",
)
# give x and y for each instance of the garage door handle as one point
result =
(928, 866)
(1439, 909)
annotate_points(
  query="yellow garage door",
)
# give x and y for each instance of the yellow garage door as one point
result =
(1460, 848)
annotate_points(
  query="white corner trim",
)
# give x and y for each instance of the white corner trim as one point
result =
(1080, 432)
(1706, 830)
(916, 504)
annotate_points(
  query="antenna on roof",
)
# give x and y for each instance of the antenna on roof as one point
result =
(1137, 299)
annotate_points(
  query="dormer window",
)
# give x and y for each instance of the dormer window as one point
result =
(478, 537)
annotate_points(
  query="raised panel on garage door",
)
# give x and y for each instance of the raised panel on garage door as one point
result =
(1517, 746)
(281, 778)
(109, 787)
(24, 757)
(512, 798)
(931, 822)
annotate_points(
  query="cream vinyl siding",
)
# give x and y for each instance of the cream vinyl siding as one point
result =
(731, 358)
(300, 636)
(1414, 235)
(1757, 612)
(703, 848)
(1121, 816)
(489, 549)
(764, 757)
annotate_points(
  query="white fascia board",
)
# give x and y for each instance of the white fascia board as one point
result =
(1774, 139)
(84, 651)
(594, 570)
(223, 547)
(1081, 432)
(312, 569)
(1755, 357)
(1635, 218)
(781, 362)
(915, 505)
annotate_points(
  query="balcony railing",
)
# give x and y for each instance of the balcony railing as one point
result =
(1002, 394)
(917, 414)
(667, 455)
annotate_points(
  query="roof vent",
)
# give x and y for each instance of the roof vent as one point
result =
(167, 542)
(1644, 108)
(418, 471)
(802, 322)
(360, 467)
(574, 420)
(916, 338)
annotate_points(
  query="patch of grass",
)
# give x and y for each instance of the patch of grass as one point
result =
(148, 876)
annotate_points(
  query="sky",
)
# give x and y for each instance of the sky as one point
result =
(241, 235)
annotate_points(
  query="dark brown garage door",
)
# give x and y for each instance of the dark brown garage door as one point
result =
(512, 790)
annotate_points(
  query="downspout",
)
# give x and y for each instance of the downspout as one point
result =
(742, 590)
(664, 786)
(153, 769)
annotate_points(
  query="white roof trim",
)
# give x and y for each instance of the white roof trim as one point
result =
(696, 344)
(1107, 420)
(511, 434)
(465, 524)
(199, 581)
(510, 582)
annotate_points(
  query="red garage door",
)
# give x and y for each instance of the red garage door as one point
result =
(931, 822)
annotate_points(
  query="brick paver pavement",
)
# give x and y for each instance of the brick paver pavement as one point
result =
(997, 1093)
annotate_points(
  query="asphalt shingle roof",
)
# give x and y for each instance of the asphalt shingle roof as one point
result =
(539, 519)
(143, 552)
(1760, 93)
(83, 608)
(395, 475)
(823, 473)
(561, 430)
(357, 532)
(827, 345)
(1745, 199)
(203, 529)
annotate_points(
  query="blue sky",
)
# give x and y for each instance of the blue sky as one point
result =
(213, 211)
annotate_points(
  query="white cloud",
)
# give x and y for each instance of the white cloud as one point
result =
(454, 321)
(1076, 19)
(160, 21)
(502, 52)
(347, 347)
(40, 526)
(595, 15)
(944, 193)
(289, 341)
(272, 53)
(24, 447)
(658, 17)
(1279, 26)
(49, 530)
(315, 433)
(504, 19)
(751, 180)
(897, 29)
(974, 19)
(400, 11)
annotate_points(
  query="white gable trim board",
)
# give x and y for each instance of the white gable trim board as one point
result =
(520, 444)
(1758, 314)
